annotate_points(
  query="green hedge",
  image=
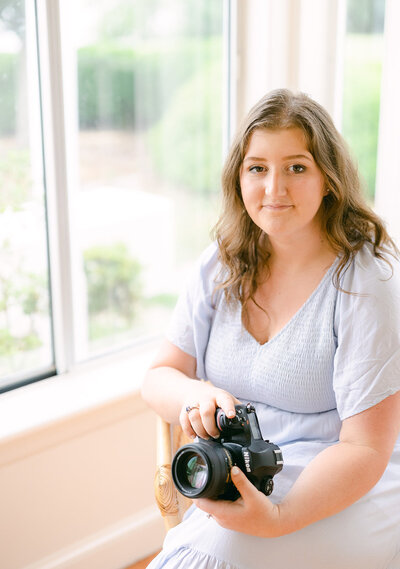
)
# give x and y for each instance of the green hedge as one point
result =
(15, 179)
(105, 80)
(361, 101)
(118, 87)
(127, 88)
(113, 280)
(186, 145)
(8, 93)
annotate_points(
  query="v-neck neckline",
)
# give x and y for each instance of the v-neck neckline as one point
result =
(295, 315)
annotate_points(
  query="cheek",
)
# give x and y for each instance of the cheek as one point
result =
(245, 191)
(250, 188)
(246, 203)
(313, 204)
(249, 197)
(310, 193)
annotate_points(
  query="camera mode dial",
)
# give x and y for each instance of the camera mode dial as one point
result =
(267, 486)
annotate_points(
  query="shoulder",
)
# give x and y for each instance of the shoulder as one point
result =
(369, 293)
(208, 265)
(208, 260)
(206, 274)
(367, 329)
(368, 274)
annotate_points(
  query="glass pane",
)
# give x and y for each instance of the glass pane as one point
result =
(25, 329)
(149, 151)
(362, 81)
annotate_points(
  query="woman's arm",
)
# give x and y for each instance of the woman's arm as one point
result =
(166, 383)
(170, 386)
(335, 479)
(344, 472)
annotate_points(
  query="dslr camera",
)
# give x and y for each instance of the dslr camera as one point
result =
(202, 469)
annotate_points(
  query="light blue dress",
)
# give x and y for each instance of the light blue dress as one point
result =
(337, 356)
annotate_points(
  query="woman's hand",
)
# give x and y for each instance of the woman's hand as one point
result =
(197, 416)
(253, 513)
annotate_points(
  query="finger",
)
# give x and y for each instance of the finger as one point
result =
(186, 424)
(196, 422)
(213, 507)
(246, 489)
(224, 512)
(207, 413)
(227, 403)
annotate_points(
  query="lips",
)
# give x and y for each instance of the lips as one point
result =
(276, 207)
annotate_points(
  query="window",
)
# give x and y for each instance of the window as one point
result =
(363, 55)
(25, 325)
(99, 229)
(143, 89)
(148, 153)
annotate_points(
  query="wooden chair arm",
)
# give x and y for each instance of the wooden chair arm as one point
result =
(171, 503)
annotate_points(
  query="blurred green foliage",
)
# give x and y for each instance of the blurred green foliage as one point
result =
(9, 64)
(146, 19)
(106, 87)
(32, 295)
(113, 279)
(132, 88)
(365, 16)
(12, 16)
(15, 179)
(29, 292)
(186, 144)
(172, 90)
(167, 300)
(361, 101)
(10, 345)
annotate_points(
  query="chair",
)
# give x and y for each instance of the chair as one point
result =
(171, 503)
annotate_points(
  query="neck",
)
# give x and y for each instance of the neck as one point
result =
(296, 254)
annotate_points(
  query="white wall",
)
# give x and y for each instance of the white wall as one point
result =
(77, 493)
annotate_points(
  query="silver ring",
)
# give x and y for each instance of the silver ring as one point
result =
(191, 407)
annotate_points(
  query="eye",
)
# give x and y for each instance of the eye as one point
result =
(256, 169)
(297, 168)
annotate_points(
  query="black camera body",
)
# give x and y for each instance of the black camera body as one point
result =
(202, 469)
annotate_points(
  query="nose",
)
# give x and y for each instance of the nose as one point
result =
(274, 184)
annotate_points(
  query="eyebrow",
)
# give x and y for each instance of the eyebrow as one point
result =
(291, 157)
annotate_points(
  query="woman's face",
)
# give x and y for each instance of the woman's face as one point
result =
(282, 186)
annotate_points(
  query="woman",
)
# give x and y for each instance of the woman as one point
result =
(296, 308)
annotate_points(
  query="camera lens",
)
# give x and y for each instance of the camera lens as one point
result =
(196, 471)
(201, 469)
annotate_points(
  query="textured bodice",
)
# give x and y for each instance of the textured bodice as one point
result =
(293, 371)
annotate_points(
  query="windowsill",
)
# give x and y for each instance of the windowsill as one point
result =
(111, 383)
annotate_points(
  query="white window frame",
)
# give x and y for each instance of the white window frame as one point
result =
(56, 175)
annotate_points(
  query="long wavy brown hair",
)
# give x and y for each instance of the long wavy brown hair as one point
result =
(347, 220)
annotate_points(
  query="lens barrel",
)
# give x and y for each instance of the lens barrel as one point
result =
(202, 470)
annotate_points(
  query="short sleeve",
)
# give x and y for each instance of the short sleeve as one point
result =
(190, 325)
(367, 325)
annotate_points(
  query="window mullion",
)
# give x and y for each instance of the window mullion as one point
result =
(56, 179)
